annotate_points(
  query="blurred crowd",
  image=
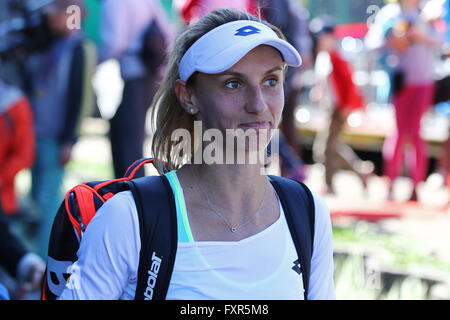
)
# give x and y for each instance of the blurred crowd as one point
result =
(47, 65)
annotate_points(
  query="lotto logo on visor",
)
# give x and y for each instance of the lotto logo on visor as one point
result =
(222, 47)
(246, 31)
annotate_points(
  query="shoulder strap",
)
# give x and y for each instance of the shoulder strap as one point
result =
(158, 229)
(298, 206)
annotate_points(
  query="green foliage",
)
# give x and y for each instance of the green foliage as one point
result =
(396, 255)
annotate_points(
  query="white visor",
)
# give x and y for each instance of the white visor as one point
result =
(222, 47)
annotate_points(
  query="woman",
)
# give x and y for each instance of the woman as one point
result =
(413, 41)
(233, 240)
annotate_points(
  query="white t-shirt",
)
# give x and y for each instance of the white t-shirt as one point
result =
(263, 266)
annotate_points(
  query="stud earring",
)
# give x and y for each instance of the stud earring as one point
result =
(191, 110)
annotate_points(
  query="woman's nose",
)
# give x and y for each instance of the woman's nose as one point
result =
(256, 102)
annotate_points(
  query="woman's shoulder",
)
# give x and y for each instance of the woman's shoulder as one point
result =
(118, 211)
(320, 204)
(121, 199)
(322, 212)
(116, 224)
(322, 219)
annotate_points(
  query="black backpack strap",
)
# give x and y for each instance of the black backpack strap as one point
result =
(158, 229)
(299, 209)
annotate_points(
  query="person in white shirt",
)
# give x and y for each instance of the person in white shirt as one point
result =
(225, 74)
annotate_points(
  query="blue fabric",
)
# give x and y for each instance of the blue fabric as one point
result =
(47, 177)
(50, 79)
(4, 295)
(288, 156)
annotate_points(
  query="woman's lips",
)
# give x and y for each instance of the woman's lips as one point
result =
(256, 125)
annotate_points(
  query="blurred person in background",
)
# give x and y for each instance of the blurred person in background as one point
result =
(192, 10)
(444, 159)
(335, 90)
(60, 96)
(412, 43)
(125, 26)
(16, 153)
(17, 143)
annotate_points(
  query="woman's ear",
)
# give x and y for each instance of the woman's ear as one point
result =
(186, 97)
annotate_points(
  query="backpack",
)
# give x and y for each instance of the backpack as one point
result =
(156, 209)
(79, 206)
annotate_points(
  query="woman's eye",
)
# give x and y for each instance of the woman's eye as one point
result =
(233, 84)
(272, 82)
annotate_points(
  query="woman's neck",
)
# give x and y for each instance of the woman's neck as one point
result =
(233, 189)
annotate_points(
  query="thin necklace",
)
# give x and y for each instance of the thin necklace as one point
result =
(232, 228)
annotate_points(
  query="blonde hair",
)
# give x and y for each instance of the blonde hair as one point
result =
(167, 113)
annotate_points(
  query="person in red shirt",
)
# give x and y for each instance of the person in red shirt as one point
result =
(17, 152)
(192, 10)
(17, 143)
(336, 90)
